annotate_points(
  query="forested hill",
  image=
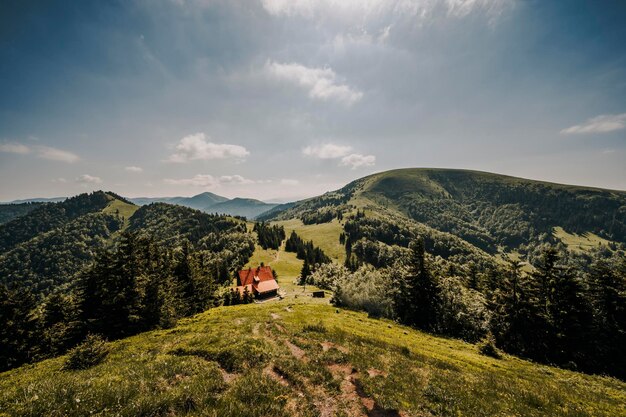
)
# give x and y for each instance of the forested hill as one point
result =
(490, 211)
(45, 249)
(50, 216)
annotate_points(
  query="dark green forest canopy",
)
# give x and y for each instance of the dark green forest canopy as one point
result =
(170, 224)
(50, 216)
(9, 212)
(52, 259)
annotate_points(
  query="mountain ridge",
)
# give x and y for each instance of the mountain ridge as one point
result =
(491, 211)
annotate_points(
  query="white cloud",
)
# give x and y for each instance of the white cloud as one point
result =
(54, 154)
(197, 147)
(367, 10)
(599, 124)
(289, 182)
(44, 152)
(88, 179)
(209, 181)
(327, 151)
(321, 83)
(357, 160)
(59, 180)
(235, 179)
(461, 8)
(332, 151)
(14, 148)
(134, 169)
(197, 181)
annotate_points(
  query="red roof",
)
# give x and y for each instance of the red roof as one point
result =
(261, 278)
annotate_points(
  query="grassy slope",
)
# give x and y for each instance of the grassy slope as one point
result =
(295, 358)
(579, 243)
(325, 236)
(124, 209)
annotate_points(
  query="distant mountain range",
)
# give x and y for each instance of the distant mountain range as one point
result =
(207, 202)
(38, 200)
(213, 203)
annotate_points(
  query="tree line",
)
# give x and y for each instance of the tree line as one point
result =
(270, 237)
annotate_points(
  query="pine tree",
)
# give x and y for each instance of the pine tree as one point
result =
(17, 327)
(59, 328)
(517, 317)
(184, 279)
(305, 272)
(472, 276)
(91, 292)
(607, 295)
(123, 299)
(422, 289)
(570, 318)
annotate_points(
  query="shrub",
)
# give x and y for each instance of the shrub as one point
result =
(366, 289)
(317, 328)
(90, 353)
(488, 347)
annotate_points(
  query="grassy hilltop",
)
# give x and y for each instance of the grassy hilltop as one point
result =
(489, 212)
(298, 358)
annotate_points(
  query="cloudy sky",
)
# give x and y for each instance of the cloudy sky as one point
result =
(284, 99)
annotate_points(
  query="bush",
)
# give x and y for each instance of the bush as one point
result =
(316, 328)
(89, 353)
(366, 289)
(488, 347)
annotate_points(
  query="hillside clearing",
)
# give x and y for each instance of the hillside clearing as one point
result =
(123, 209)
(324, 235)
(579, 243)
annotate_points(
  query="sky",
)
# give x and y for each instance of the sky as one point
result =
(285, 99)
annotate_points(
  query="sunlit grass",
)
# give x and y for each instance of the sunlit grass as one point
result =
(282, 358)
(123, 209)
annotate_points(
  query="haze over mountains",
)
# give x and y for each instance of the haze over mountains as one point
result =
(213, 203)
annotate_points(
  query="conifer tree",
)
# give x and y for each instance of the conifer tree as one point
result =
(184, 279)
(305, 272)
(423, 293)
(17, 326)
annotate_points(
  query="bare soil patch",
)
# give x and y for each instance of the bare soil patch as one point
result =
(326, 346)
(295, 350)
(373, 372)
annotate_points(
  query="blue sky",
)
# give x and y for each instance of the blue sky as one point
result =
(280, 100)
